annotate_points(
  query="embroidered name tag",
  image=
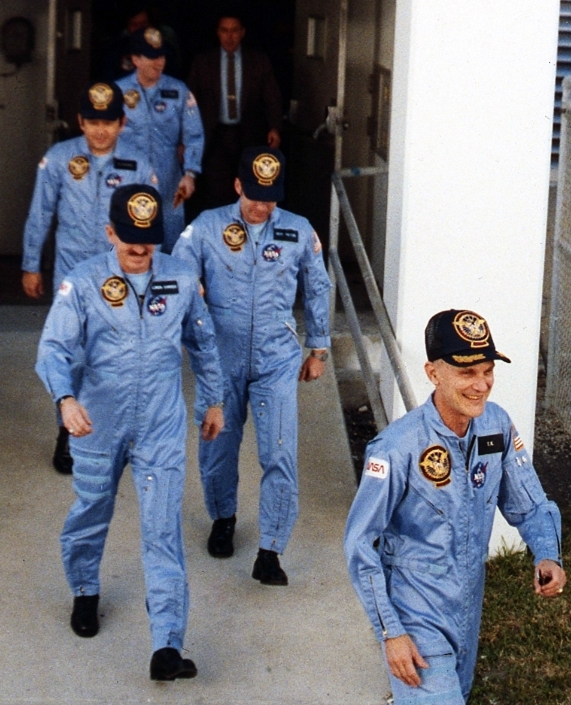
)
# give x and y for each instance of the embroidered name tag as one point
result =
(491, 444)
(169, 93)
(163, 288)
(286, 235)
(129, 164)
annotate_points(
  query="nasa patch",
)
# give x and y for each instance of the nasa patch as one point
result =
(271, 252)
(376, 467)
(157, 305)
(160, 106)
(113, 180)
(478, 474)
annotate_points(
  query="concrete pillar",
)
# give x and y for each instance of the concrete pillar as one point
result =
(469, 177)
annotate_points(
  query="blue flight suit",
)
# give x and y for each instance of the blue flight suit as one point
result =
(250, 291)
(131, 388)
(159, 119)
(429, 497)
(74, 186)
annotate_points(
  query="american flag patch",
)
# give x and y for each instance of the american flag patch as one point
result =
(518, 443)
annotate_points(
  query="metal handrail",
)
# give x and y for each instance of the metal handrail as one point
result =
(368, 375)
(387, 334)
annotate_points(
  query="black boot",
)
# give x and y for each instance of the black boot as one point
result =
(220, 543)
(84, 620)
(267, 569)
(167, 664)
(62, 460)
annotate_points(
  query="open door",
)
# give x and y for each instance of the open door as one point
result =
(68, 64)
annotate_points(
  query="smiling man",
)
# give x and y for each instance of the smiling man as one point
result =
(74, 184)
(418, 531)
(125, 314)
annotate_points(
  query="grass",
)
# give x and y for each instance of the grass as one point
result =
(525, 640)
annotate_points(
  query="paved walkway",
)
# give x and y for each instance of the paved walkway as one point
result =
(307, 644)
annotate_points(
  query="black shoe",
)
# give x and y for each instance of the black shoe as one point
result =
(84, 620)
(167, 664)
(220, 540)
(267, 569)
(62, 460)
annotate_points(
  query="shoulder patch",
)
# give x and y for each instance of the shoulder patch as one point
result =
(317, 247)
(187, 232)
(65, 288)
(376, 467)
(43, 164)
(518, 443)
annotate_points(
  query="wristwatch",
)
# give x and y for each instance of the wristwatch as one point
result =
(319, 355)
(60, 401)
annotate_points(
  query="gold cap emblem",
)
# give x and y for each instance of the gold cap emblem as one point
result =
(435, 465)
(234, 236)
(132, 98)
(472, 328)
(115, 291)
(100, 96)
(78, 167)
(143, 209)
(266, 168)
(153, 37)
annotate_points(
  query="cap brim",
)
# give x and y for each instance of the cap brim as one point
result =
(132, 235)
(266, 194)
(465, 358)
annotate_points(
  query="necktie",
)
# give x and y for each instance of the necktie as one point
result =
(231, 88)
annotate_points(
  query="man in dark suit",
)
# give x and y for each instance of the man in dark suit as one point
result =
(240, 105)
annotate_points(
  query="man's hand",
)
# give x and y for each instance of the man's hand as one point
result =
(75, 418)
(33, 284)
(212, 423)
(550, 579)
(311, 369)
(403, 658)
(274, 139)
(185, 190)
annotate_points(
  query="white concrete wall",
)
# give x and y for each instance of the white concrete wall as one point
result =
(468, 186)
(22, 125)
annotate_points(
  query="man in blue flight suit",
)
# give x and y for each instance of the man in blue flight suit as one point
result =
(128, 311)
(163, 119)
(418, 531)
(74, 184)
(251, 257)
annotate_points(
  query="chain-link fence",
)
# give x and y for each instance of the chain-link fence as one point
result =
(558, 382)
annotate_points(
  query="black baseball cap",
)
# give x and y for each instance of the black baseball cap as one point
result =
(136, 214)
(262, 173)
(101, 101)
(460, 338)
(147, 41)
